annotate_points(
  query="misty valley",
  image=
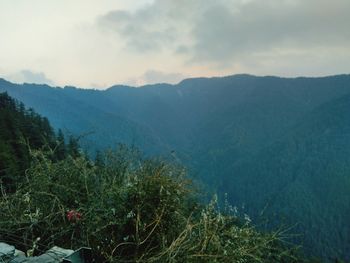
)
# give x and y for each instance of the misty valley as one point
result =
(268, 158)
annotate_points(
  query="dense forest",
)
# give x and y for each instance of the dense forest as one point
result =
(126, 207)
(279, 147)
(304, 177)
(21, 131)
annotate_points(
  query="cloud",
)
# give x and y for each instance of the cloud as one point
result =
(155, 76)
(27, 76)
(139, 31)
(225, 32)
(113, 41)
(262, 26)
(154, 27)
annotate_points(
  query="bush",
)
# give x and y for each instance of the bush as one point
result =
(127, 209)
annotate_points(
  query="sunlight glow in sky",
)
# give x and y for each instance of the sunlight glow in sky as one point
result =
(96, 44)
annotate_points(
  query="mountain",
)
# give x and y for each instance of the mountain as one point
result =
(303, 178)
(277, 145)
(147, 207)
(20, 131)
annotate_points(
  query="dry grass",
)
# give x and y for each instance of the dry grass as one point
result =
(128, 210)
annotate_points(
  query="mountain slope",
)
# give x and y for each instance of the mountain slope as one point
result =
(20, 130)
(70, 112)
(303, 178)
(271, 142)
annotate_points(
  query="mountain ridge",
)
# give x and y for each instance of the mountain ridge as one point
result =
(240, 75)
(238, 134)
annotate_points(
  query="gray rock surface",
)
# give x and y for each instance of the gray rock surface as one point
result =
(9, 254)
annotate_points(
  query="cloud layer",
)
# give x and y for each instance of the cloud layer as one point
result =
(155, 76)
(27, 76)
(91, 43)
(225, 32)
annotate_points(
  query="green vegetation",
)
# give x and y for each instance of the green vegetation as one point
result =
(277, 146)
(128, 209)
(125, 207)
(19, 128)
(22, 130)
(303, 179)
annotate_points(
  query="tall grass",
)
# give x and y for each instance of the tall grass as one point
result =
(127, 209)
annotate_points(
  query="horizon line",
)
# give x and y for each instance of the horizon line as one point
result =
(172, 84)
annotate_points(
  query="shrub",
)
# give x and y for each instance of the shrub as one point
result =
(127, 209)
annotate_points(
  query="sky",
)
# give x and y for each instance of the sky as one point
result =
(100, 43)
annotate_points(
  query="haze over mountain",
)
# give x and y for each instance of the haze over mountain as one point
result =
(139, 42)
(277, 145)
(42, 178)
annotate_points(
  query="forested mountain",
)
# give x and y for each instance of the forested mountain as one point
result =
(21, 131)
(125, 207)
(80, 116)
(303, 178)
(277, 145)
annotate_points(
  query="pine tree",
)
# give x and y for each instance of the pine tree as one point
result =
(61, 150)
(73, 147)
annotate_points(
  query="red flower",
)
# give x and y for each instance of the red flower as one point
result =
(73, 216)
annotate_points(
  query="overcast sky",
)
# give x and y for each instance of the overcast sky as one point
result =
(99, 43)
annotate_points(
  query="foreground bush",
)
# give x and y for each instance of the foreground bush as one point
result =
(127, 209)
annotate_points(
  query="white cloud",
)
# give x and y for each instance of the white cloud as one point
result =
(109, 42)
(154, 77)
(27, 76)
(226, 32)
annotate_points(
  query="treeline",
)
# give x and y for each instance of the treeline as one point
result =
(23, 130)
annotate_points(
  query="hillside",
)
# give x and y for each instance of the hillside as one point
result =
(303, 178)
(20, 130)
(268, 142)
(123, 206)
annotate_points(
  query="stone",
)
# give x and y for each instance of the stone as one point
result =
(59, 252)
(53, 255)
(7, 252)
(19, 253)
